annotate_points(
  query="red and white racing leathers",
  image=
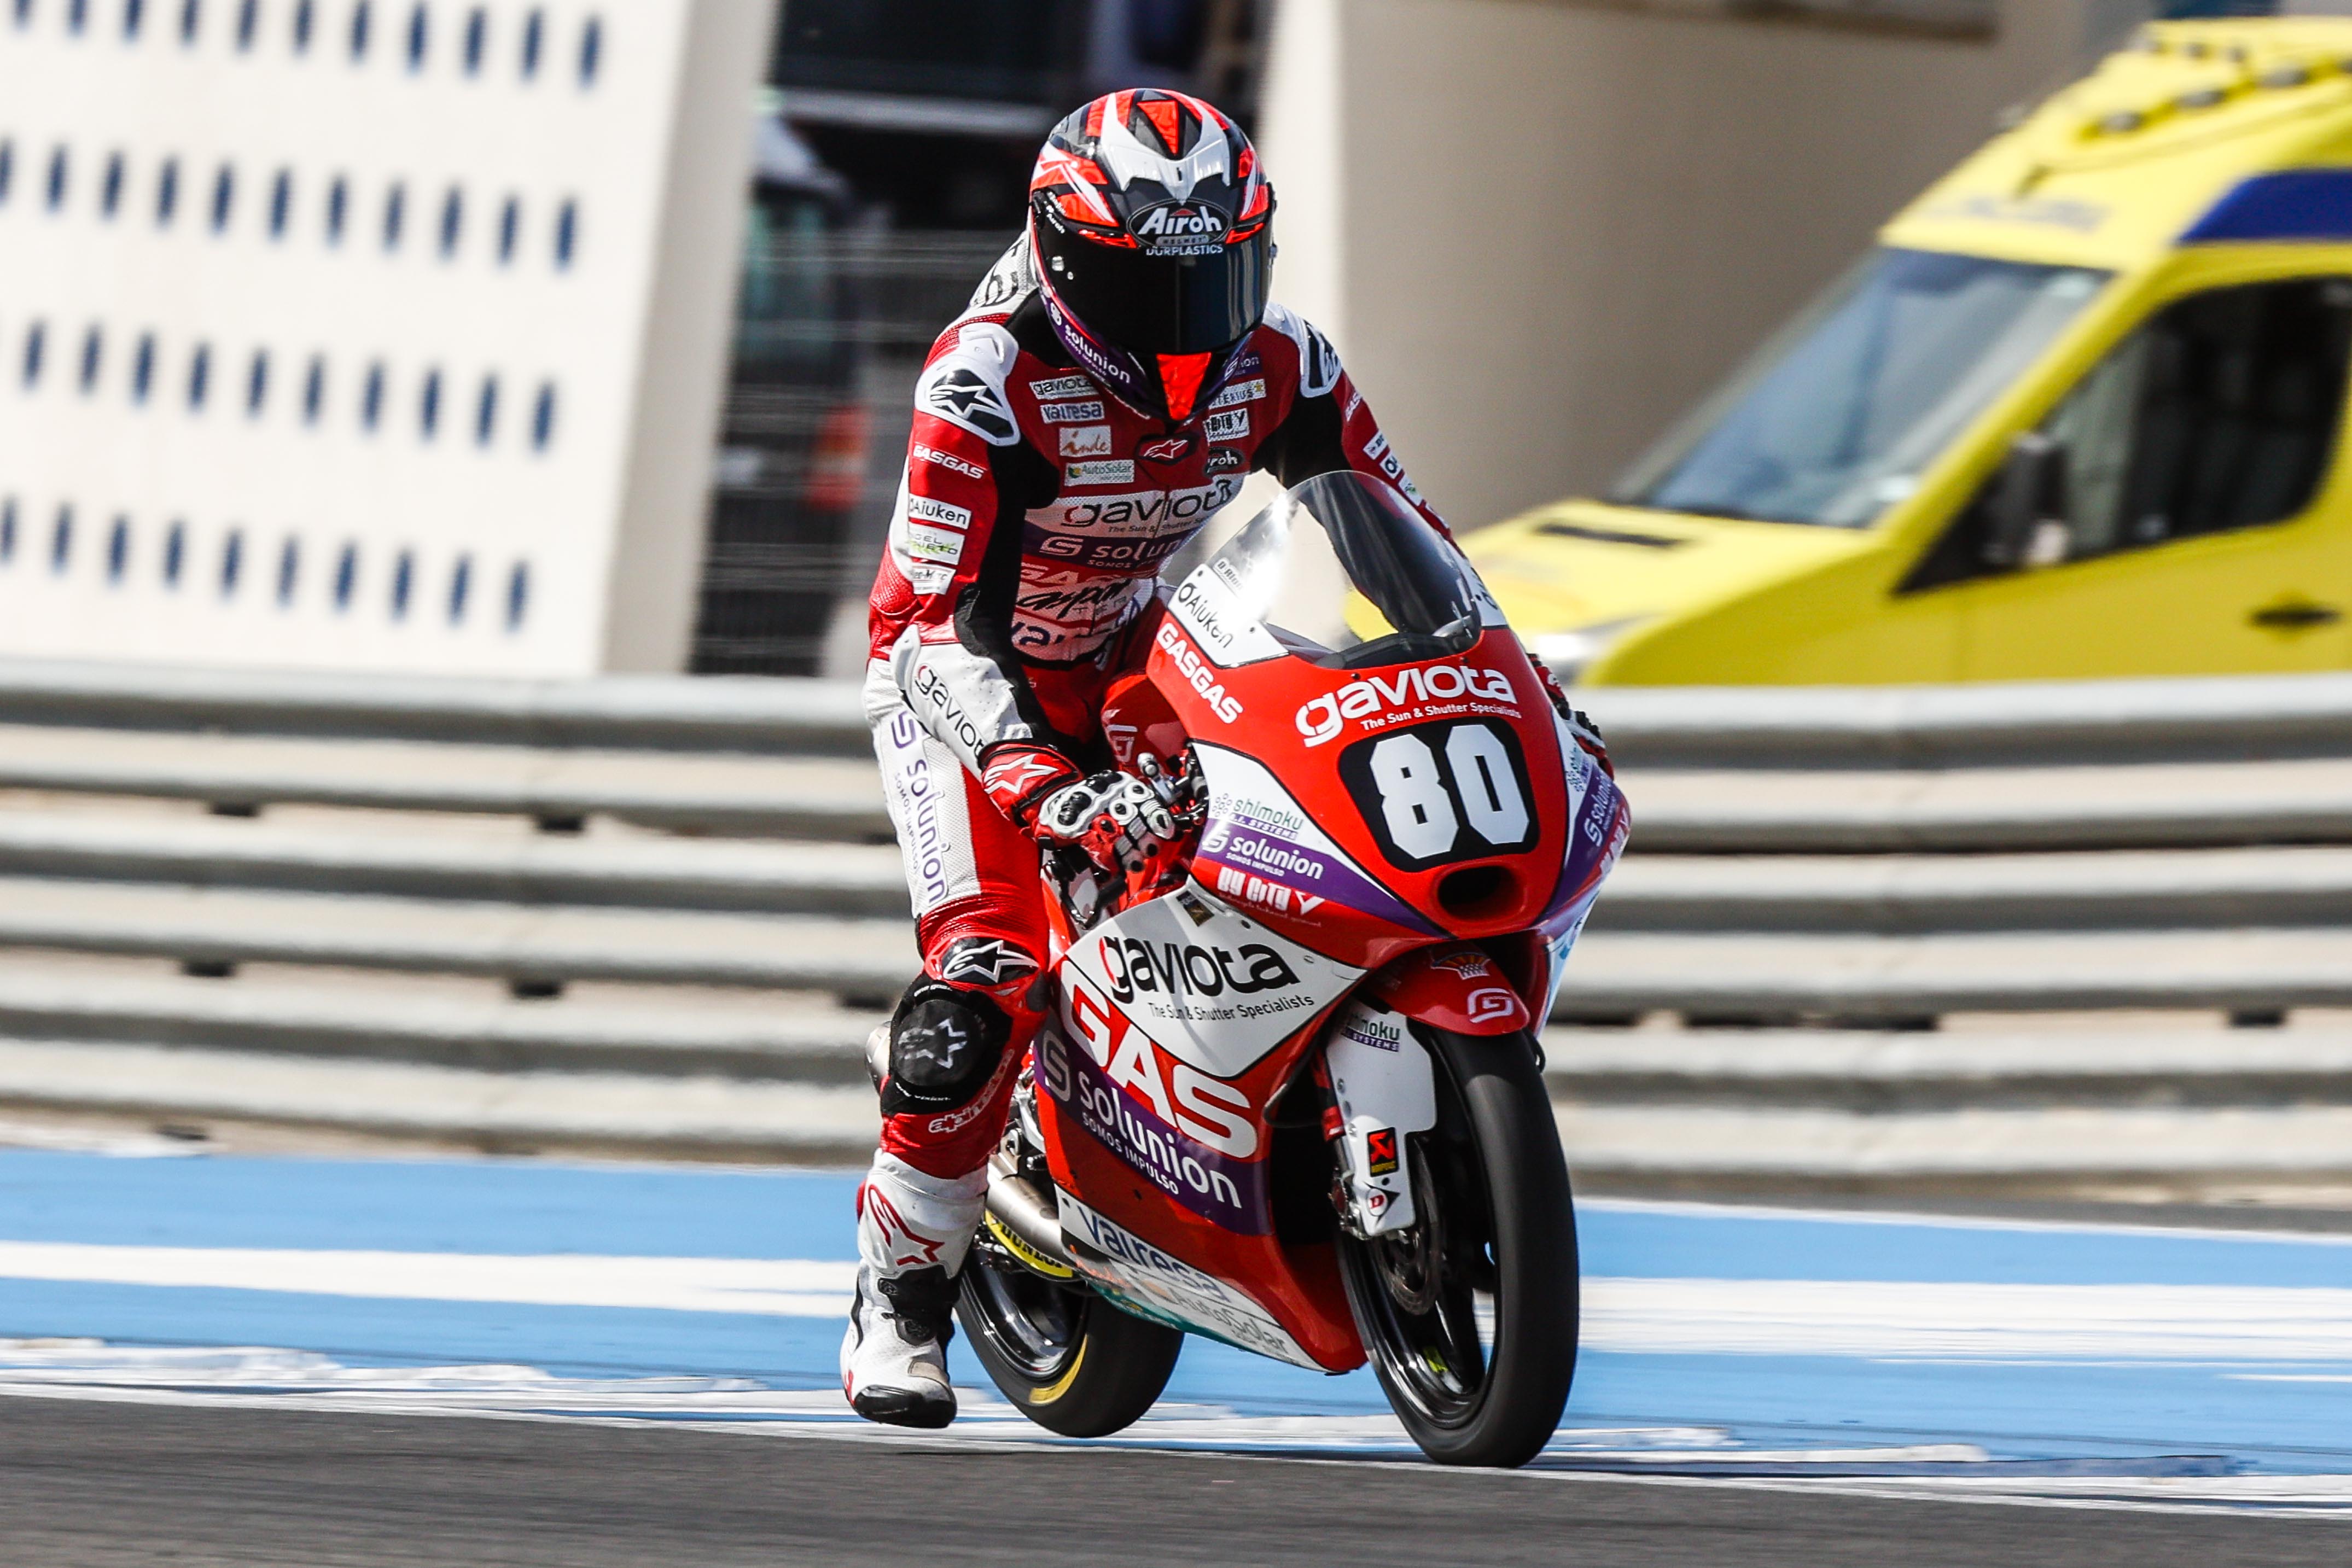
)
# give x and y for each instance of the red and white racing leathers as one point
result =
(1033, 517)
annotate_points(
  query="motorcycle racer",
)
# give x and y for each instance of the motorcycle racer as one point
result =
(1118, 373)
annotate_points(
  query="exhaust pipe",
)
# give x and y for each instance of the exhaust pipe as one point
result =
(1016, 1204)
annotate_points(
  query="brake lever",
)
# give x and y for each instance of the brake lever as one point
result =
(1181, 788)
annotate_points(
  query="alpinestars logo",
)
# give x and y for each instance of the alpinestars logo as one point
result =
(984, 962)
(964, 397)
(906, 1247)
(1014, 773)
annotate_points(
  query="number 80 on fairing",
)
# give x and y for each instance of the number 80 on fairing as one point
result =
(1440, 793)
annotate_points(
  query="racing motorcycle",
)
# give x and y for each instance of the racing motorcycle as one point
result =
(1289, 1094)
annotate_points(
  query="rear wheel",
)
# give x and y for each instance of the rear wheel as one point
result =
(1072, 1362)
(1470, 1315)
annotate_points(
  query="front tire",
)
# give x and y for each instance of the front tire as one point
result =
(1068, 1359)
(1494, 1218)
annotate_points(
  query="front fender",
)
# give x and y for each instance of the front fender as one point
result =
(1456, 986)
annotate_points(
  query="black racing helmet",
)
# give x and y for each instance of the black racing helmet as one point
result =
(1152, 228)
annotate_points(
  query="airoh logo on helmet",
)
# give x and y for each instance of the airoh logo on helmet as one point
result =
(1178, 221)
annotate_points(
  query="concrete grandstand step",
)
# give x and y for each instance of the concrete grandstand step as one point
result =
(1902, 977)
(790, 1037)
(1613, 973)
(626, 1111)
(714, 1116)
(2155, 805)
(516, 865)
(2153, 1143)
(2127, 1060)
(713, 793)
(1893, 895)
(505, 941)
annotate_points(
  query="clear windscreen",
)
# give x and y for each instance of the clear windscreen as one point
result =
(1290, 570)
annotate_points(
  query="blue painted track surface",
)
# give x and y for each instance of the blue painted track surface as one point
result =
(2250, 1410)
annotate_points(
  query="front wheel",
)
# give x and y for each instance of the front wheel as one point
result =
(1068, 1359)
(1469, 1315)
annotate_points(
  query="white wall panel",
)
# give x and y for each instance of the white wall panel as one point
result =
(451, 497)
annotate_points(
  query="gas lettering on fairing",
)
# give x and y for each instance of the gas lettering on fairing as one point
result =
(1198, 671)
(1193, 1137)
(1215, 995)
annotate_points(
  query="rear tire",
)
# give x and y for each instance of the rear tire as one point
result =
(1067, 1358)
(1494, 1216)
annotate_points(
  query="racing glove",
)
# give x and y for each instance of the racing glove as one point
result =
(1119, 821)
(1116, 817)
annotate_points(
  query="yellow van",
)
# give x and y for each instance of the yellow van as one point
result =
(2081, 413)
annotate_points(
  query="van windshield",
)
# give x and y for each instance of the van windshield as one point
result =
(1834, 419)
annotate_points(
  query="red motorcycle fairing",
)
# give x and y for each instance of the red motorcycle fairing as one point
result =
(1457, 986)
(1168, 1158)
(1365, 817)
(1369, 812)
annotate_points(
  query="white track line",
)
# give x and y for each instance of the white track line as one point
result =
(1879, 1319)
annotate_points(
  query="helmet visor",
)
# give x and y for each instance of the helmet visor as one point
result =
(1158, 304)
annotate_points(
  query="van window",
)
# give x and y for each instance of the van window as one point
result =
(1835, 419)
(2218, 414)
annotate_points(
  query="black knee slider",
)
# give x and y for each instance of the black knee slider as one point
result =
(945, 1044)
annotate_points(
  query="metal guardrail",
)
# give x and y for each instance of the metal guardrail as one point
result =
(2005, 723)
(714, 713)
(672, 856)
(2044, 724)
(1789, 844)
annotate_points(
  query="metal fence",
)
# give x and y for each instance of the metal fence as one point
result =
(832, 331)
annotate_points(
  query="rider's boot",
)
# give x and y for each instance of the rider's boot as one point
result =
(913, 1231)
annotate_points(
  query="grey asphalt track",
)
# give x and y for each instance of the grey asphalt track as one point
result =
(101, 1485)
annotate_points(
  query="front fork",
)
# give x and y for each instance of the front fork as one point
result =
(1382, 1081)
(1383, 1088)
